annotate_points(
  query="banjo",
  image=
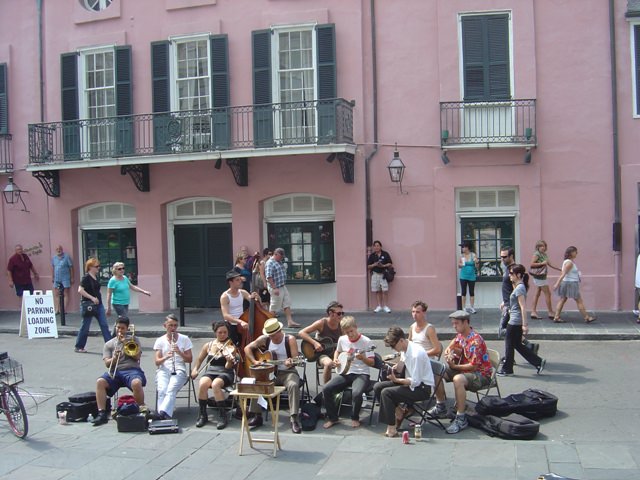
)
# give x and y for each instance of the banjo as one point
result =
(345, 359)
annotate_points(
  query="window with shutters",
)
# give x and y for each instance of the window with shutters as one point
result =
(635, 71)
(98, 101)
(294, 84)
(192, 90)
(294, 81)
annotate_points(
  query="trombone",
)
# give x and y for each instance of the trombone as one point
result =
(129, 348)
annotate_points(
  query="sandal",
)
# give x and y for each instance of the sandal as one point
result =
(589, 319)
(392, 435)
(535, 315)
(558, 320)
(80, 350)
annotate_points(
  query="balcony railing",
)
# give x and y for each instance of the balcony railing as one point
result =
(319, 122)
(500, 123)
(6, 165)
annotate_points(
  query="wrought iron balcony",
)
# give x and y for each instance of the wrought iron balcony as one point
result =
(507, 123)
(259, 127)
(6, 165)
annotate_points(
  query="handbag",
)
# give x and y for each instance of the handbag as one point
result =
(389, 274)
(538, 272)
(88, 308)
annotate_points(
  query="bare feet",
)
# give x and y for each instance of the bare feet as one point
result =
(391, 433)
(330, 423)
(355, 423)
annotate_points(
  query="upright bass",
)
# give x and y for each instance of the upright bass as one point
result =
(255, 316)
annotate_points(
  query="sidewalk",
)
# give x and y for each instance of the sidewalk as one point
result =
(197, 324)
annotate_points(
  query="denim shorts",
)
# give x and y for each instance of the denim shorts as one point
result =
(123, 378)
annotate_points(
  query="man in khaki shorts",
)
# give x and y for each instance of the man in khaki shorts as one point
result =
(468, 366)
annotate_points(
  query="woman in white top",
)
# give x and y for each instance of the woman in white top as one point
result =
(568, 286)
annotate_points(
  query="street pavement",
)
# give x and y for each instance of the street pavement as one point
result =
(593, 436)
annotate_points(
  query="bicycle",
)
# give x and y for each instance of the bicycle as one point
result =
(10, 402)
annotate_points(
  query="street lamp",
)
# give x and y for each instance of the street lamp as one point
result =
(12, 194)
(396, 169)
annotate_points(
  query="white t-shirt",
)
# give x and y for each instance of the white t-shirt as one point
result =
(164, 345)
(345, 345)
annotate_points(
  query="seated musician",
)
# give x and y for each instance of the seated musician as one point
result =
(326, 328)
(281, 347)
(359, 349)
(232, 304)
(173, 352)
(468, 365)
(124, 371)
(422, 332)
(416, 384)
(219, 357)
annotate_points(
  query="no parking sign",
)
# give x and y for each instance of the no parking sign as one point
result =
(39, 315)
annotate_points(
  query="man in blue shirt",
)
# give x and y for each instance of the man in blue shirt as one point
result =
(276, 274)
(62, 274)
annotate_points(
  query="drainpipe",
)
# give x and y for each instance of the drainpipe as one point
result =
(367, 160)
(617, 224)
(40, 59)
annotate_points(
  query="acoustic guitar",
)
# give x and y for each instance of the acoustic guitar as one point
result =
(268, 358)
(345, 359)
(328, 348)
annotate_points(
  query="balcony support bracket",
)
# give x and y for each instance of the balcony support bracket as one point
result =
(240, 169)
(139, 174)
(346, 165)
(50, 181)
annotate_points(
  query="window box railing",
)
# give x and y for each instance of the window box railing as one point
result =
(319, 122)
(6, 165)
(482, 124)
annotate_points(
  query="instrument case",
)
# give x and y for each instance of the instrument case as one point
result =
(77, 412)
(163, 426)
(132, 423)
(83, 397)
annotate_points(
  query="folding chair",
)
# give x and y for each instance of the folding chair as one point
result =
(421, 409)
(191, 390)
(494, 358)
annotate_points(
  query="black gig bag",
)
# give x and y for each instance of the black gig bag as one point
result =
(511, 427)
(531, 403)
(83, 397)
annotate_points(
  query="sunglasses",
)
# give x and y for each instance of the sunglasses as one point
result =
(120, 268)
(337, 313)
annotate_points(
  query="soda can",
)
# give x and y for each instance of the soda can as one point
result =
(62, 417)
(417, 432)
(405, 437)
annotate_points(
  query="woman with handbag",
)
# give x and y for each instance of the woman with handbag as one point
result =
(538, 271)
(91, 305)
(568, 286)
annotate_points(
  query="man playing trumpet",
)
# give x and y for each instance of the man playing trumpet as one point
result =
(173, 352)
(219, 357)
(121, 356)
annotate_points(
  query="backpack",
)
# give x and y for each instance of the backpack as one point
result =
(309, 415)
(127, 405)
(511, 427)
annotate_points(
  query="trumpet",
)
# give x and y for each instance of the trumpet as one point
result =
(129, 348)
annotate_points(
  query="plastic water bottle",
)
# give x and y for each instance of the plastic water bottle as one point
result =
(90, 418)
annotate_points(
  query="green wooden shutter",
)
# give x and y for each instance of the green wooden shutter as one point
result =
(636, 47)
(70, 106)
(124, 101)
(262, 107)
(160, 91)
(485, 51)
(220, 92)
(4, 100)
(327, 82)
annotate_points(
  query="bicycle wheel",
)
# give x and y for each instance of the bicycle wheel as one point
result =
(15, 412)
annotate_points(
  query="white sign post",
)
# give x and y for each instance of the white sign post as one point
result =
(38, 315)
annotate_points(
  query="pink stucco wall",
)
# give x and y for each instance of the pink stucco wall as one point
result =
(560, 54)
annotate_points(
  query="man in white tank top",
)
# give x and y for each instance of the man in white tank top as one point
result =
(422, 332)
(231, 303)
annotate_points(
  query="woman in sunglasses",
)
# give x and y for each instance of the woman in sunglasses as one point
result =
(119, 291)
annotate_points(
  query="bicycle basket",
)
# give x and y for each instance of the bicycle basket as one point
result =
(11, 371)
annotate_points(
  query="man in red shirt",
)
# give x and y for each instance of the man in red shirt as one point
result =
(19, 271)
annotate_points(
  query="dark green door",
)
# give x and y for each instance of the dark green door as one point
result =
(203, 255)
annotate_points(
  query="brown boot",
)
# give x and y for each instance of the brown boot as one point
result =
(202, 418)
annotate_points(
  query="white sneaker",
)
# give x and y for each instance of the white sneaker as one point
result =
(636, 313)
(467, 309)
(472, 310)
(387, 309)
(378, 309)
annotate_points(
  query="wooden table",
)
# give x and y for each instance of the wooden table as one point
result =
(244, 399)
